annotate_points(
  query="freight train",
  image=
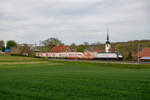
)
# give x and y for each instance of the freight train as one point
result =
(82, 55)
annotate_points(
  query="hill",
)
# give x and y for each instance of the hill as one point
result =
(123, 47)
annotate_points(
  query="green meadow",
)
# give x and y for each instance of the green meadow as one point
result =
(25, 78)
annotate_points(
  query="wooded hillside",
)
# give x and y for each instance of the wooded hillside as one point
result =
(123, 47)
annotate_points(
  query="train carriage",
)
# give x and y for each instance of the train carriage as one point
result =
(82, 55)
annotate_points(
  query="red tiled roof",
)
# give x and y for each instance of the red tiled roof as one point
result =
(59, 49)
(145, 52)
(97, 50)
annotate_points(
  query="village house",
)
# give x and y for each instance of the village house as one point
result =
(144, 54)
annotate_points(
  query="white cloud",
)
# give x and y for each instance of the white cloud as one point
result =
(74, 20)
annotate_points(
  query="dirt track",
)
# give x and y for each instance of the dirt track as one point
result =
(39, 62)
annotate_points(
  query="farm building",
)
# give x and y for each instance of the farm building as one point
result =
(60, 49)
(145, 54)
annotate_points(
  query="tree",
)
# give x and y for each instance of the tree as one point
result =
(80, 48)
(73, 45)
(11, 44)
(121, 50)
(51, 42)
(129, 56)
(85, 43)
(3, 49)
(2, 45)
(25, 50)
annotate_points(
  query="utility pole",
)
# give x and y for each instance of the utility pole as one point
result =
(138, 53)
(40, 46)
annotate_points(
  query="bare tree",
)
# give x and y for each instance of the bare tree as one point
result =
(73, 45)
(25, 49)
(85, 43)
(51, 42)
(2, 45)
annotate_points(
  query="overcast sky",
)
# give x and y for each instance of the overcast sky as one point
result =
(74, 20)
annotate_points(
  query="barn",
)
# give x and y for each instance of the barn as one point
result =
(60, 49)
(144, 54)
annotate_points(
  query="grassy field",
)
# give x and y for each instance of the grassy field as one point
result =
(23, 78)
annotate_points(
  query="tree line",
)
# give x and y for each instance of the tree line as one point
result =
(127, 49)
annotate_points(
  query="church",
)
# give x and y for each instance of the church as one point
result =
(107, 45)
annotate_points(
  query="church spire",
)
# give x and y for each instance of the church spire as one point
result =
(107, 36)
(107, 45)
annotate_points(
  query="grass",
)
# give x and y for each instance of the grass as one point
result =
(18, 59)
(62, 80)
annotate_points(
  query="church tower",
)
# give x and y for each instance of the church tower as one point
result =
(107, 45)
